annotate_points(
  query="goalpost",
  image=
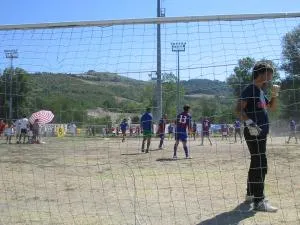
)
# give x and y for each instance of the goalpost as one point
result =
(96, 73)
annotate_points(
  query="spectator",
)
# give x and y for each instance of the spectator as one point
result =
(35, 132)
(2, 127)
(23, 127)
(293, 132)
(9, 132)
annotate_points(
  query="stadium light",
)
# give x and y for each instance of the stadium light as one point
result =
(178, 47)
(11, 54)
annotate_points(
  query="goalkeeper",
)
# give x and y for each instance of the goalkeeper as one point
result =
(252, 109)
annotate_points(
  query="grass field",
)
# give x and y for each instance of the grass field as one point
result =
(103, 181)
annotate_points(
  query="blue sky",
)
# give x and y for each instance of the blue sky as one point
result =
(213, 48)
(37, 11)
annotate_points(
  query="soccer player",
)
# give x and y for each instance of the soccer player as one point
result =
(137, 131)
(224, 130)
(161, 130)
(23, 126)
(123, 127)
(237, 129)
(170, 131)
(146, 124)
(183, 122)
(205, 130)
(194, 130)
(292, 131)
(252, 109)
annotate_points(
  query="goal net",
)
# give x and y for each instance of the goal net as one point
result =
(78, 169)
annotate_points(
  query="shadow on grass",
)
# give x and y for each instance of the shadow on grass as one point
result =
(239, 213)
(137, 153)
(157, 149)
(169, 159)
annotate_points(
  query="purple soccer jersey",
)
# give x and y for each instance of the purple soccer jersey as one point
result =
(183, 123)
(205, 126)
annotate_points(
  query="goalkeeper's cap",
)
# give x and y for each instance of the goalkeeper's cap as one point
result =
(148, 109)
(186, 108)
(261, 67)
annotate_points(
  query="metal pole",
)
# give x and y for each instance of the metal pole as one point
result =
(10, 89)
(158, 68)
(178, 79)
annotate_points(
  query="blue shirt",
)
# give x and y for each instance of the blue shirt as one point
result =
(183, 122)
(237, 124)
(146, 121)
(256, 108)
(170, 128)
(123, 126)
(194, 127)
(292, 125)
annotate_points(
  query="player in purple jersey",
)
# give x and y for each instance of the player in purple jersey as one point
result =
(161, 130)
(292, 131)
(237, 129)
(183, 122)
(224, 130)
(205, 130)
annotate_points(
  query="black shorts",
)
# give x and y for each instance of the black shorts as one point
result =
(23, 131)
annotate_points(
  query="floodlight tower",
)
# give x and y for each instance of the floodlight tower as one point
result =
(178, 47)
(11, 54)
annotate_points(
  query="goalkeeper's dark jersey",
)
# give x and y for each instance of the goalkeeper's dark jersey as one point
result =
(256, 108)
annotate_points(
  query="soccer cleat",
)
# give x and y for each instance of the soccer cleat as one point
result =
(174, 157)
(189, 157)
(147, 151)
(264, 206)
(143, 150)
(249, 198)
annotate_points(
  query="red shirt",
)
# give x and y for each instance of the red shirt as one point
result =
(2, 127)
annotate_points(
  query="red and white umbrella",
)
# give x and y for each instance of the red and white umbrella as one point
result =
(43, 116)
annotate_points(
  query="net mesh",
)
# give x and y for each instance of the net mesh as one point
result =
(93, 77)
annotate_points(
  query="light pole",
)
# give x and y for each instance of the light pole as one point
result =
(11, 54)
(178, 47)
(160, 13)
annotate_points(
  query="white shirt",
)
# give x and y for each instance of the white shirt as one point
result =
(24, 123)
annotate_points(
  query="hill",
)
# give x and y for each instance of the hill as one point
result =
(71, 96)
(205, 87)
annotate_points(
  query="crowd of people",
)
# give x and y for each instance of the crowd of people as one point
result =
(22, 130)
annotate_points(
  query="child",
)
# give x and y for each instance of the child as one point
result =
(9, 132)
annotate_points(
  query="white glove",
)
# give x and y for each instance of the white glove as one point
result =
(275, 90)
(254, 130)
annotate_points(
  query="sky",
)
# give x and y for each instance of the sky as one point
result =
(212, 48)
(38, 11)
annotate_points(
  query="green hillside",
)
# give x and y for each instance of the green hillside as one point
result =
(206, 87)
(71, 95)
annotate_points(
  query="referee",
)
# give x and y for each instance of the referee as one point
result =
(252, 109)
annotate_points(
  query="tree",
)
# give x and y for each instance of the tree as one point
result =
(242, 74)
(169, 89)
(18, 87)
(290, 88)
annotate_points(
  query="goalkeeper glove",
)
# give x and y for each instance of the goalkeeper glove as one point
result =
(254, 130)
